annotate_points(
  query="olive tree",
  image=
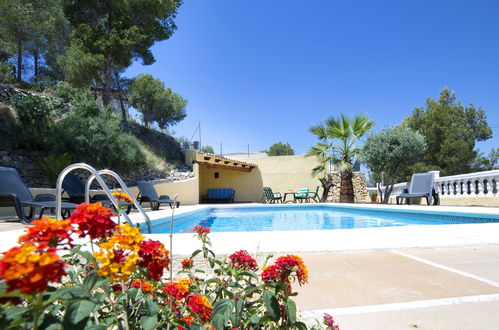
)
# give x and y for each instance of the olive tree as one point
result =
(390, 152)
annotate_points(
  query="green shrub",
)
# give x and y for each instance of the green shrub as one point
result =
(52, 165)
(100, 142)
(82, 100)
(36, 116)
(6, 75)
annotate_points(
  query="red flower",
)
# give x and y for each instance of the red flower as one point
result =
(201, 231)
(28, 269)
(292, 263)
(187, 263)
(188, 320)
(93, 220)
(242, 260)
(154, 257)
(116, 287)
(272, 274)
(48, 232)
(329, 322)
(201, 306)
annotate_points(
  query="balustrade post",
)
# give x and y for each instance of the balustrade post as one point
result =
(480, 187)
(474, 188)
(488, 187)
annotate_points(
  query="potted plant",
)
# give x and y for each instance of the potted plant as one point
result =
(374, 196)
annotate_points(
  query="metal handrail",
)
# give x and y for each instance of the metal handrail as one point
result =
(124, 187)
(96, 175)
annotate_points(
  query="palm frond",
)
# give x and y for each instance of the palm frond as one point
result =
(319, 171)
(320, 131)
(360, 125)
(342, 165)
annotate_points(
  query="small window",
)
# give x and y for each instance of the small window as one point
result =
(216, 175)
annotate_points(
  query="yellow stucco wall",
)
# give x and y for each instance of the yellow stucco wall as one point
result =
(284, 173)
(248, 185)
(187, 190)
(281, 173)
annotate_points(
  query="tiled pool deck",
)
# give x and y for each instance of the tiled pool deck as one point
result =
(425, 277)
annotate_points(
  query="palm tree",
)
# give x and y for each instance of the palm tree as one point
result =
(337, 139)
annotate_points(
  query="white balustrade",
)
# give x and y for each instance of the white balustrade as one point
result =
(478, 184)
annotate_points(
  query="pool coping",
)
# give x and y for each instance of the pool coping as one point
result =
(345, 240)
(340, 240)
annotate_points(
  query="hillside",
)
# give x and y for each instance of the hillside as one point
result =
(134, 151)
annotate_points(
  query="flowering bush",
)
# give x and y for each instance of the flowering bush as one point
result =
(50, 281)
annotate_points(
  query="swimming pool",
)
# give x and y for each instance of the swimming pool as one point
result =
(309, 217)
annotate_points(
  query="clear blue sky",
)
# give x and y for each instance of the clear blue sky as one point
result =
(261, 71)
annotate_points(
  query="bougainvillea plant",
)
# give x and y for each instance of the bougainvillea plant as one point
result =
(87, 272)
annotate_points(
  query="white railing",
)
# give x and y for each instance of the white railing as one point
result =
(477, 184)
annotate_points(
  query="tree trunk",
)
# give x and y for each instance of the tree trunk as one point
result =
(19, 61)
(346, 188)
(120, 95)
(388, 191)
(106, 86)
(327, 184)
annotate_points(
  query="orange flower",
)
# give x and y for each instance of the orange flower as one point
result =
(29, 269)
(144, 285)
(48, 232)
(284, 268)
(180, 289)
(187, 263)
(121, 196)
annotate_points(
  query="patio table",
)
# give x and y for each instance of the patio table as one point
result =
(286, 195)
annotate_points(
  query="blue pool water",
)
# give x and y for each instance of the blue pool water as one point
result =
(308, 217)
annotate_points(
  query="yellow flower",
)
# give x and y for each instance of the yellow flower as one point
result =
(118, 256)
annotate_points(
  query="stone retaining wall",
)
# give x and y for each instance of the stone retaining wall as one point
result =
(25, 162)
(359, 187)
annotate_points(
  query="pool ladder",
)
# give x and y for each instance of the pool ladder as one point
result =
(97, 175)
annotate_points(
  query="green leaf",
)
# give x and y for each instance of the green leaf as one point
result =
(149, 321)
(271, 304)
(68, 293)
(249, 274)
(222, 311)
(93, 281)
(77, 314)
(195, 253)
(300, 325)
(14, 314)
(87, 255)
(254, 319)
(291, 308)
(96, 327)
(266, 319)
